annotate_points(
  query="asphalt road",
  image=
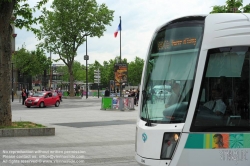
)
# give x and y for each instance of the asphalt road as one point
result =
(105, 137)
(65, 104)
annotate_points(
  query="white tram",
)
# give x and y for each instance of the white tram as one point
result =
(202, 115)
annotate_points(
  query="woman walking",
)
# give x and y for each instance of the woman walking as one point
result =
(23, 96)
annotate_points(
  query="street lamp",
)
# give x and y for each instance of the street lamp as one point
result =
(12, 91)
(50, 80)
(86, 57)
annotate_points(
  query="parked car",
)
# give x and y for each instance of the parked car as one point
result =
(43, 99)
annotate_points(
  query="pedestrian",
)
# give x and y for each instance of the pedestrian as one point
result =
(23, 93)
(107, 93)
(27, 92)
(32, 92)
(59, 92)
(137, 97)
(133, 96)
(81, 92)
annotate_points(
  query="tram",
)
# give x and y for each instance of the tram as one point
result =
(203, 116)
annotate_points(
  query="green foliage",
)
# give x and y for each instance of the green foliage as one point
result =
(95, 66)
(246, 9)
(23, 124)
(231, 6)
(79, 73)
(135, 69)
(78, 70)
(24, 14)
(106, 69)
(65, 27)
(32, 63)
(64, 70)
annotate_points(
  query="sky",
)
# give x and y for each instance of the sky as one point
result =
(140, 18)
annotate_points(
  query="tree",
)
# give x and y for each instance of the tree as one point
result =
(66, 27)
(232, 6)
(78, 71)
(107, 70)
(9, 10)
(32, 63)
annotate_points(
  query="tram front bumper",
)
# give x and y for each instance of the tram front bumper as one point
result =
(150, 162)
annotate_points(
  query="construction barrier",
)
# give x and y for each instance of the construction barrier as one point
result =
(117, 103)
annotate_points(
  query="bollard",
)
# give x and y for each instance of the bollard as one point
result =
(121, 104)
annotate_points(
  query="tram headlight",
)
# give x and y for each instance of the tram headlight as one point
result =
(170, 140)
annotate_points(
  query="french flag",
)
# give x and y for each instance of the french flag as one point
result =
(118, 29)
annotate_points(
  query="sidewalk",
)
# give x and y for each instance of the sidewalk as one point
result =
(106, 137)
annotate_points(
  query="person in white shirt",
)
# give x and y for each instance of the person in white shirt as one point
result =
(216, 104)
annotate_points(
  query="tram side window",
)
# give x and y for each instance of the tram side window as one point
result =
(223, 102)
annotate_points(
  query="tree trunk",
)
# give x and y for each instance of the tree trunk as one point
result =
(6, 10)
(71, 82)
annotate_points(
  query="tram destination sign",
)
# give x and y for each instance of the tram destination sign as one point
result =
(165, 44)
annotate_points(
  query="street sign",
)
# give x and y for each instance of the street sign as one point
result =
(96, 81)
(97, 76)
(86, 57)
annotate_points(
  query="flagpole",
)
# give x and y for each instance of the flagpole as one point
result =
(120, 40)
(120, 54)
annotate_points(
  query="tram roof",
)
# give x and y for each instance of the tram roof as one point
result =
(193, 16)
(178, 18)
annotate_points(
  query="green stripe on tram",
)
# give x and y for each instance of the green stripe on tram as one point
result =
(215, 141)
(194, 141)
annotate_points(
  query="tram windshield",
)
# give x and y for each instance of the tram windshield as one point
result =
(223, 103)
(169, 73)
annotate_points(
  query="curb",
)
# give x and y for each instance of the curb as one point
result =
(110, 109)
(21, 132)
(74, 97)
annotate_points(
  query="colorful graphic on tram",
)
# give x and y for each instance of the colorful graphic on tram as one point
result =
(217, 141)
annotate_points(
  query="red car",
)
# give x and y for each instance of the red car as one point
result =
(43, 99)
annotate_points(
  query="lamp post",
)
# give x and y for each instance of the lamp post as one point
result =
(12, 91)
(50, 80)
(86, 57)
